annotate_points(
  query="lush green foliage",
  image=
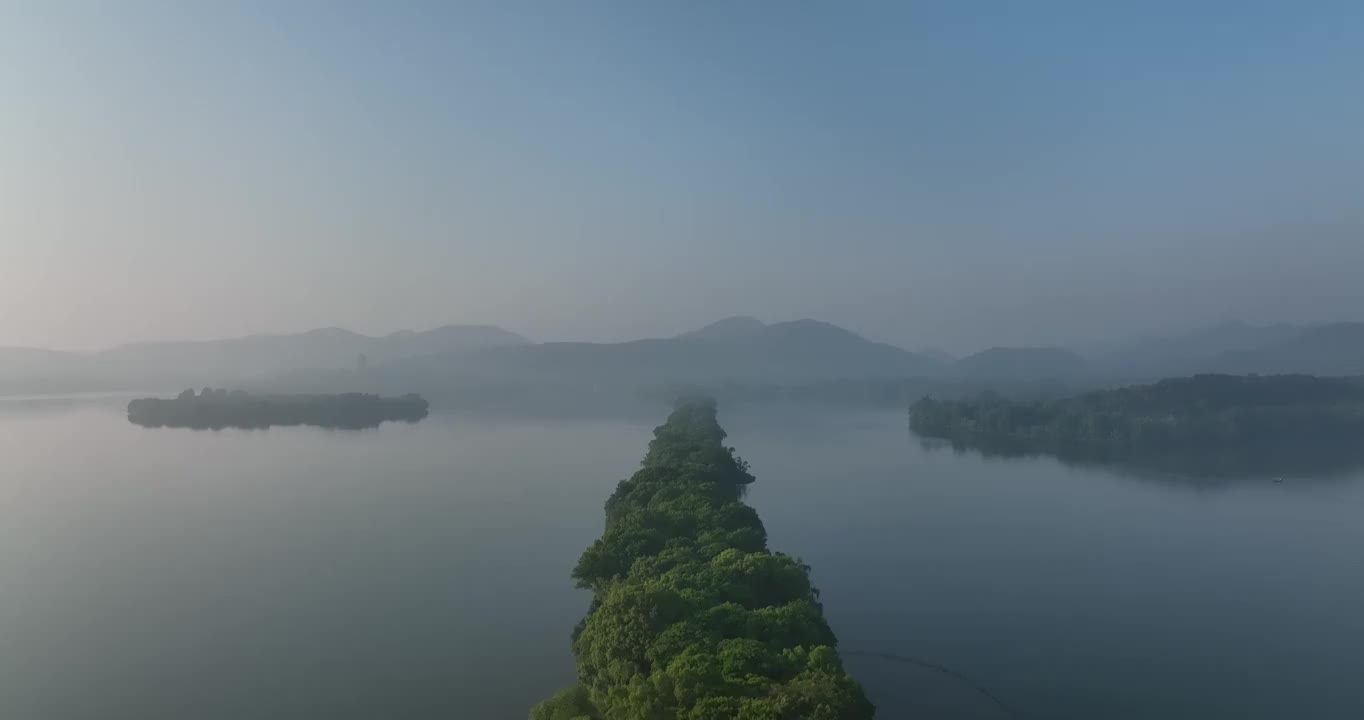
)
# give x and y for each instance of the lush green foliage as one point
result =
(692, 616)
(220, 408)
(1242, 422)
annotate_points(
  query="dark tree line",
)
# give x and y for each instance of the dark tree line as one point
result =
(692, 616)
(1208, 422)
(215, 409)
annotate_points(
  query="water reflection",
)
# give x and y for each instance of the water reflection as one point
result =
(38, 406)
(423, 570)
(1203, 466)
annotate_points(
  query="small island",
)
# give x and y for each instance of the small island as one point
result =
(1202, 425)
(216, 409)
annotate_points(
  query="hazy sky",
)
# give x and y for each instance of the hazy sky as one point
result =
(953, 174)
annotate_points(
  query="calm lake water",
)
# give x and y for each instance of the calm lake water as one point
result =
(421, 571)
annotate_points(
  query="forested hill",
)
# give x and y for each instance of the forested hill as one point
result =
(1244, 422)
(692, 615)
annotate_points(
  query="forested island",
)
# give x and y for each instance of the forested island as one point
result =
(1210, 424)
(217, 409)
(692, 615)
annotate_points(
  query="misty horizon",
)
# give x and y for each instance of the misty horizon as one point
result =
(1082, 346)
(930, 177)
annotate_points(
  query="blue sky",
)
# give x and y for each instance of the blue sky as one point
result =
(953, 174)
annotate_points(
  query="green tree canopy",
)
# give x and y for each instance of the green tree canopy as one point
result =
(1201, 424)
(692, 615)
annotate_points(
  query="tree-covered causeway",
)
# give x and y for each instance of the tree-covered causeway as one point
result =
(692, 615)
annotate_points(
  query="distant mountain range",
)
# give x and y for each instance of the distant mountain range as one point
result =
(1336, 349)
(737, 351)
(731, 350)
(219, 362)
(1020, 364)
(1238, 348)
